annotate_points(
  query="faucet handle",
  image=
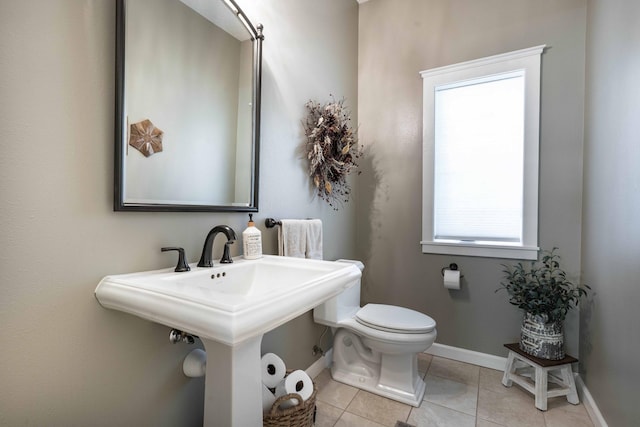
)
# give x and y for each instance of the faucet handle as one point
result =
(182, 263)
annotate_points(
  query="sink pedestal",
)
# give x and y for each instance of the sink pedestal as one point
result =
(233, 384)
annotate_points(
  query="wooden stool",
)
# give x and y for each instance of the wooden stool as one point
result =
(538, 383)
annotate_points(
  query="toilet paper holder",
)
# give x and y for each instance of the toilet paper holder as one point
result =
(453, 266)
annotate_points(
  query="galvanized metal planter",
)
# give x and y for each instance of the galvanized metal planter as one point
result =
(540, 338)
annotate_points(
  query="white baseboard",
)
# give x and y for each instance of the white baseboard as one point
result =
(496, 362)
(468, 356)
(320, 364)
(589, 403)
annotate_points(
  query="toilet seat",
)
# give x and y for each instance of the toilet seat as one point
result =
(403, 340)
(394, 319)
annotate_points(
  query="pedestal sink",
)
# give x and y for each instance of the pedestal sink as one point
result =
(230, 307)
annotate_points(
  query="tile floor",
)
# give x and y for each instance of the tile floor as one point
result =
(457, 395)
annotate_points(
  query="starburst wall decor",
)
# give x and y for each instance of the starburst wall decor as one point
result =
(332, 150)
(145, 137)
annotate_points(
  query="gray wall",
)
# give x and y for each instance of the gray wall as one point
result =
(609, 345)
(65, 359)
(397, 39)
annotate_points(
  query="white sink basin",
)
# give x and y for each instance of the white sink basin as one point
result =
(228, 303)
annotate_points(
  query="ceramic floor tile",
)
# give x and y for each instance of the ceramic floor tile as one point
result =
(561, 403)
(378, 409)
(513, 408)
(491, 379)
(484, 423)
(448, 401)
(451, 394)
(561, 414)
(351, 420)
(327, 415)
(432, 415)
(336, 393)
(454, 370)
(322, 379)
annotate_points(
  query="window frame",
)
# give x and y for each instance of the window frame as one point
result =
(528, 60)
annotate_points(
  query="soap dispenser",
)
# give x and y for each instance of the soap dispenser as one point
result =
(252, 241)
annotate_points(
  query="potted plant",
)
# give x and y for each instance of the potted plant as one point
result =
(545, 294)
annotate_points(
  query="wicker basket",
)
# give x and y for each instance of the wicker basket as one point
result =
(300, 415)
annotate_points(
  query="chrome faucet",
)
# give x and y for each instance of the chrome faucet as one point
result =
(205, 258)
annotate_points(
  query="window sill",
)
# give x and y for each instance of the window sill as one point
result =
(480, 250)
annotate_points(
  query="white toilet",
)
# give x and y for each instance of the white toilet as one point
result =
(375, 348)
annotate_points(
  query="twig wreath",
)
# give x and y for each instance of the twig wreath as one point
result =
(332, 150)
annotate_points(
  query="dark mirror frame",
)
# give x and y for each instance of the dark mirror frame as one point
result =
(119, 204)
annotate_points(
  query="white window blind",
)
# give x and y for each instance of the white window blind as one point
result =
(479, 140)
(481, 122)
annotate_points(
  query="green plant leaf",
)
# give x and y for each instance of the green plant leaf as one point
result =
(542, 287)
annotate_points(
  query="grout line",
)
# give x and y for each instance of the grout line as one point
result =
(454, 410)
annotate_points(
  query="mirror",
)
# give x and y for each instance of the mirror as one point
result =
(188, 75)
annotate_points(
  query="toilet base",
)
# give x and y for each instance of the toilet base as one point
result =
(394, 376)
(372, 385)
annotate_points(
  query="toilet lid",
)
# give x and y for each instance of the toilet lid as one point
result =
(395, 319)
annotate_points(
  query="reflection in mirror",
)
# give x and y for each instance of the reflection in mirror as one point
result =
(187, 107)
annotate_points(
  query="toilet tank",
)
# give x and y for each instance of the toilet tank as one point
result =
(342, 306)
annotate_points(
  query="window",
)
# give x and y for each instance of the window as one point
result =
(480, 156)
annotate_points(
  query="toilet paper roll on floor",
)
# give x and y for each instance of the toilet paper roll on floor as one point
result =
(451, 279)
(273, 370)
(296, 382)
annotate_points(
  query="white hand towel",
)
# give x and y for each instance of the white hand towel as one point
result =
(292, 238)
(300, 238)
(314, 239)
